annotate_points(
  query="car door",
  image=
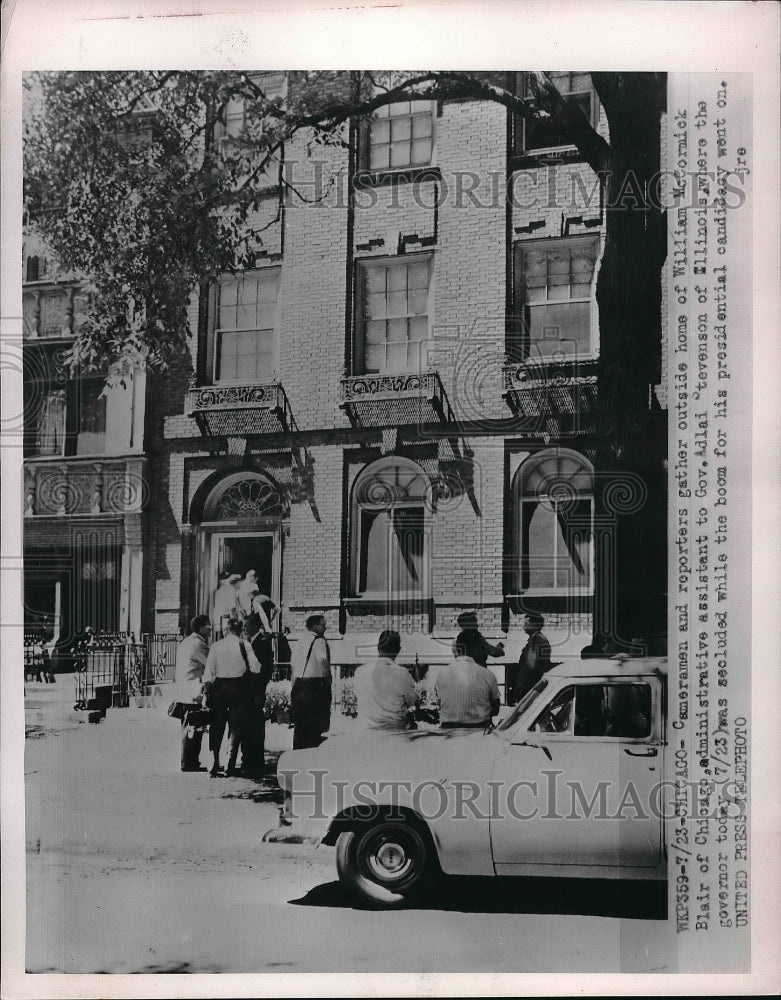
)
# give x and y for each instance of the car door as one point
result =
(591, 757)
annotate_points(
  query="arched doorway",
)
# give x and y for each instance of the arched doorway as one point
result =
(239, 527)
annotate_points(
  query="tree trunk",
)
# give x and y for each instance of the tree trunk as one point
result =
(630, 502)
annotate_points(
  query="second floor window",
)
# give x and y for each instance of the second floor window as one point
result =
(245, 337)
(393, 311)
(400, 135)
(554, 294)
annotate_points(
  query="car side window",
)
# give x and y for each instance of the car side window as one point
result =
(615, 710)
(556, 717)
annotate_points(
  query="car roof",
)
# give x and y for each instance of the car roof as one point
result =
(620, 666)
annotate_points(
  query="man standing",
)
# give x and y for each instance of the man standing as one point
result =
(190, 664)
(310, 696)
(467, 620)
(385, 692)
(534, 662)
(254, 743)
(226, 692)
(225, 597)
(468, 693)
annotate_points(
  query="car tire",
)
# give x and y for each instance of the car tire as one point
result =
(384, 863)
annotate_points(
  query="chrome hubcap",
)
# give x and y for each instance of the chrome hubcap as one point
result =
(391, 858)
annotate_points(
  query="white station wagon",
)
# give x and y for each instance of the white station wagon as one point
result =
(569, 784)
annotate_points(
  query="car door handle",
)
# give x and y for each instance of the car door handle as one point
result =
(646, 752)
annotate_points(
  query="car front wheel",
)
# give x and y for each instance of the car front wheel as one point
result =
(384, 863)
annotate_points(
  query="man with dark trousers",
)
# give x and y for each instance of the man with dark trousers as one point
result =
(225, 685)
(534, 662)
(261, 640)
(191, 656)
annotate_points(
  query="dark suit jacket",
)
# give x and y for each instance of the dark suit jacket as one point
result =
(263, 648)
(534, 662)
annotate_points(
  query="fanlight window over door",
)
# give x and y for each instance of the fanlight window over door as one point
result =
(245, 498)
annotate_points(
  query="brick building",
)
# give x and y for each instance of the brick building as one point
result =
(390, 417)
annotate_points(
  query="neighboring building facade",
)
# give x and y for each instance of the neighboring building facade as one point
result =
(84, 472)
(390, 418)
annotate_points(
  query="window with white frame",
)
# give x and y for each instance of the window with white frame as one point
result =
(399, 136)
(393, 313)
(554, 500)
(246, 324)
(534, 135)
(555, 295)
(390, 551)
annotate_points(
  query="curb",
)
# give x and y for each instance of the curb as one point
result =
(285, 836)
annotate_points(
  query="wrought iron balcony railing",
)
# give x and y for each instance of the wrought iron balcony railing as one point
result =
(384, 400)
(551, 389)
(238, 410)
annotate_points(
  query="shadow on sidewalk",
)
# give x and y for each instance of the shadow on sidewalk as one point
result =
(263, 787)
(472, 894)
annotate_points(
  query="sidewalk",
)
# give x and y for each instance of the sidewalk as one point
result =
(115, 788)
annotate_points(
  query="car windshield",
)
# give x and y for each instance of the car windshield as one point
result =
(523, 704)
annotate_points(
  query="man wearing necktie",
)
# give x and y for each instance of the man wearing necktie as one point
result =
(229, 661)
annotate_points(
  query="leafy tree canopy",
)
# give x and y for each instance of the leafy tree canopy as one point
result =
(128, 186)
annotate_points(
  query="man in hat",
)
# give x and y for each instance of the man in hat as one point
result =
(534, 662)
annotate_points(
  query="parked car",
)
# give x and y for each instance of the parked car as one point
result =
(570, 783)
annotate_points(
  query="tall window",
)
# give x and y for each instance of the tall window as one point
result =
(390, 551)
(538, 134)
(554, 292)
(50, 426)
(89, 403)
(246, 326)
(555, 524)
(393, 309)
(400, 135)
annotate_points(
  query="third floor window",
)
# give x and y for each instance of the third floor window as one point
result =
(399, 136)
(246, 325)
(554, 296)
(393, 313)
(540, 134)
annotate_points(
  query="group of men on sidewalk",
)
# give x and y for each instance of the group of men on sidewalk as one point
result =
(230, 680)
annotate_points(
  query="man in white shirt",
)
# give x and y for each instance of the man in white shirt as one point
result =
(385, 691)
(191, 656)
(468, 693)
(227, 694)
(225, 598)
(310, 696)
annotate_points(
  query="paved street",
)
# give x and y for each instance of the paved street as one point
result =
(135, 867)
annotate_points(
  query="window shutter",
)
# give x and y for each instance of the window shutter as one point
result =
(519, 321)
(359, 321)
